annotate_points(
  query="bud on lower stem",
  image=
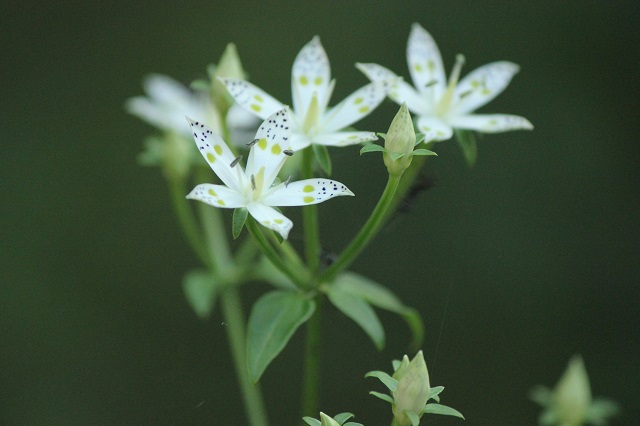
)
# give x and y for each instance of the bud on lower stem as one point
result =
(399, 142)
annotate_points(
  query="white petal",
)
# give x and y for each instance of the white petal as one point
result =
(310, 73)
(299, 141)
(270, 218)
(303, 192)
(425, 62)
(251, 97)
(398, 90)
(357, 105)
(267, 154)
(491, 123)
(434, 129)
(483, 84)
(218, 155)
(343, 138)
(217, 196)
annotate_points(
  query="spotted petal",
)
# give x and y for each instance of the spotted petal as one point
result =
(216, 152)
(303, 192)
(267, 155)
(490, 123)
(483, 84)
(310, 73)
(270, 218)
(344, 138)
(434, 129)
(251, 97)
(398, 90)
(354, 107)
(217, 196)
(425, 62)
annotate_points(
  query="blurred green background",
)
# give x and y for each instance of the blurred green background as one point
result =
(516, 264)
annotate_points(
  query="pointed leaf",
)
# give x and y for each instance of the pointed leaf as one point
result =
(311, 421)
(434, 392)
(442, 410)
(372, 147)
(342, 417)
(239, 218)
(352, 424)
(200, 289)
(467, 141)
(359, 311)
(387, 380)
(415, 419)
(423, 151)
(382, 396)
(265, 270)
(321, 154)
(273, 320)
(381, 297)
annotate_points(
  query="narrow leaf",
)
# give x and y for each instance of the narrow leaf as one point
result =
(434, 392)
(239, 218)
(267, 271)
(387, 380)
(342, 417)
(321, 154)
(273, 320)
(423, 151)
(372, 147)
(442, 410)
(359, 311)
(382, 396)
(311, 421)
(396, 155)
(415, 419)
(467, 141)
(200, 288)
(200, 85)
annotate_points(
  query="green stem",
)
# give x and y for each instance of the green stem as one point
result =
(294, 273)
(187, 219)
(232, 312)
(368, 231)
(312, 362)
(310, 218)
(220, 257)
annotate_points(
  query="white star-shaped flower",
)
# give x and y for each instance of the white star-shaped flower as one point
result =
(313, 122)
(442, 106)
(253, 188)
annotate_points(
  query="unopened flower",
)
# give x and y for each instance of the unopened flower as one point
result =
(253, 188)
(313, 122)
(442, 105)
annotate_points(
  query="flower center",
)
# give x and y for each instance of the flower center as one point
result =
(444, 106)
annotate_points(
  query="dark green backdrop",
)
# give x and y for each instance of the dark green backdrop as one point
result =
(525, 259)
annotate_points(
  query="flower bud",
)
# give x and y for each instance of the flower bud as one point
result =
(572, 394)
(399, 142)
(327, 421)
(413, 388)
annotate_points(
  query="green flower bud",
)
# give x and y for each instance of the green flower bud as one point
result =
(572, 394)
(399, 142)
(327, 421)
(413, 388)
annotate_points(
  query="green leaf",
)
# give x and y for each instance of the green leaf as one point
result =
(382, 396)
(415, 419)
(321, 154)
(372, 147)
(442, 410)
(423, 151)
(239, 218)
(381, 297)
(359, 311)
(273, 320)
(541, 394)
(267, 271)
(353, 424)
(387, 380)
(434, 392)
(396, 155)
(200, 288)
(467, 141)
(311, 421)
(419, 138)
(342, 417)
(200, 85)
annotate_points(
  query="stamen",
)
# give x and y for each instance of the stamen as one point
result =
(236, 161)
(253, 142)
(288, 152)
(465, 94)
(288, 181)
(253, 182)
(430, 83)
(455, 73)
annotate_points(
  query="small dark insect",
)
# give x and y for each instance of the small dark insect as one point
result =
(422, 183)
(288, 152)
(327, 257)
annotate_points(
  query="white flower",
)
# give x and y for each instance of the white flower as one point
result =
(252, 188)
(311, 85)
(441, 106)
(168, 101)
